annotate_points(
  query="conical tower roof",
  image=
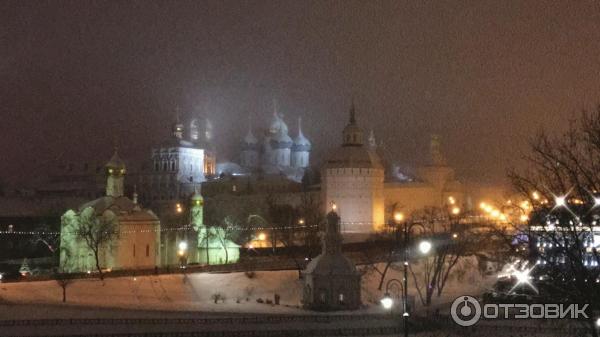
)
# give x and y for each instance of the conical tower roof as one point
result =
(301, 140)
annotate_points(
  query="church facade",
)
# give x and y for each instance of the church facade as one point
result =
(136, 242)
(179, 164)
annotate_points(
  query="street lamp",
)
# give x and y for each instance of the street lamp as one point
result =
(560, 201)
(425, 247)
(388, 301)
(398, 217)
(182, 252)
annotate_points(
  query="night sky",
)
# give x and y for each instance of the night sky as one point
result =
(485, 75)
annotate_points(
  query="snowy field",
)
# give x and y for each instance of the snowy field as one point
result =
(192, 296)
(195, 292)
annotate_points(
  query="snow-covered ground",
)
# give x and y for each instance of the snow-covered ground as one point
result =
(195, 292)
(175, 296)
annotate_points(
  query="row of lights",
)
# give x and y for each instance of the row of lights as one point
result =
(496, 214)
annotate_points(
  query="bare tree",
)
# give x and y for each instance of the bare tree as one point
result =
(296, 228)
(312, 220)
(98, 232)
(449, 246)
(562, 185)
(63, 280)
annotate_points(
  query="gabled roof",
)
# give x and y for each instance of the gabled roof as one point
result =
(122, 207)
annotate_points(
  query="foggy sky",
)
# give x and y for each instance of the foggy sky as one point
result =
(484, 75)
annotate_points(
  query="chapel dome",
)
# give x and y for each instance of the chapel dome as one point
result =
(278, 126)
(281, 141)
(301, 143)
(115, 162)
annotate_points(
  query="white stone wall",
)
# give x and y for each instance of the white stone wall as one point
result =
(138, 245)
(358, 195)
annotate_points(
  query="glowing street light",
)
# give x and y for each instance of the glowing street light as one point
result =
(262, 236)
(560, 201)
(182, 249)
(398, 217)
(425, 247)
(387, 302)
(523, 276)
(598, 322)
(301, 221)
(183, 246)
(451, 200)
(535, 195)
(455, 210)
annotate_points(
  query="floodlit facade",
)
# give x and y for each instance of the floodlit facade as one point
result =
(353, 181)
(136, 244)
(366, 191)
(179, 165)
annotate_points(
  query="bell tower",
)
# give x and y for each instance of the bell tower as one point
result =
(115, 172)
